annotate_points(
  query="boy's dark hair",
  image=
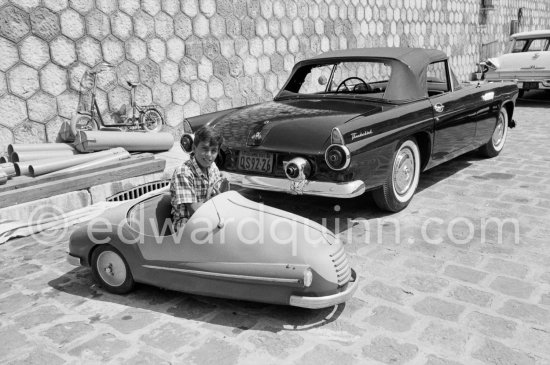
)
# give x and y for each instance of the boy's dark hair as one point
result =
(208, 135)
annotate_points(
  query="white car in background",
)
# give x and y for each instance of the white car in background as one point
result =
(527, 62)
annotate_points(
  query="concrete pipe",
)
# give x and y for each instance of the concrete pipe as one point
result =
(95, 163)
(3, 177)
(8, 169)
(22, 168)
(42, 167)
(3, 159)
(40, 155)
(88, 141)
(25, 147)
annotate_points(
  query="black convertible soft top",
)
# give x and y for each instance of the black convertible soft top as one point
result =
(408, 79)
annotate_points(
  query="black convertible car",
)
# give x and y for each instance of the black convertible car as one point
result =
(360, 120)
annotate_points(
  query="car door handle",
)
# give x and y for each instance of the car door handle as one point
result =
(439, 108)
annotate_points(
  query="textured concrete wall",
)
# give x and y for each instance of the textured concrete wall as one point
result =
(198, 56)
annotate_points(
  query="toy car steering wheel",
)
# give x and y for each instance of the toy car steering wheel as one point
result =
(223, 187)
(354, 88)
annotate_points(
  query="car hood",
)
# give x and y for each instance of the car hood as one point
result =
(522, 61)
(291, 125)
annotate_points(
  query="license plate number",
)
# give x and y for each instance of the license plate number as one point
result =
(256, 161)
(530, 85)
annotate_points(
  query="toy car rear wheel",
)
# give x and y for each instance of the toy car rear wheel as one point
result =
(83, 123)
(110, 269)
(495, 145)
(152, 120)
(402, 180)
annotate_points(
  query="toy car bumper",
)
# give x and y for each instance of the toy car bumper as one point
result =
(349, 189)
(329, 300)
(73, 260)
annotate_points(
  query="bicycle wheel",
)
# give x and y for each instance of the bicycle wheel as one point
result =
(152, 120)
(83, 123)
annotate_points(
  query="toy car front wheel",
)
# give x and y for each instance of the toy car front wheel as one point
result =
(83, 123)
(152, 120)
(402, 180)
(496, 143)
(110, 269)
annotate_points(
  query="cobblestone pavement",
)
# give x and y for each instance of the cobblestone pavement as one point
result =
(439, 283)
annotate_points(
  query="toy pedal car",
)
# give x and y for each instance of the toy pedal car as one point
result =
(230, 248)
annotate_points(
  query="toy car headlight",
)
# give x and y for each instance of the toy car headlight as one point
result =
(308, 277)
(186, 142)
(337, 157)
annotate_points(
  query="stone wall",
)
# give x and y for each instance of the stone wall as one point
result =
(198, 56)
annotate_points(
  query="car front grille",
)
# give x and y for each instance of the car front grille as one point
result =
(341, 264)
(138, 191)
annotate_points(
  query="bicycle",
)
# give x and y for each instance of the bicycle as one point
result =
(143, 118)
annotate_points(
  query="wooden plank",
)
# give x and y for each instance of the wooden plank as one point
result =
(19, 182)
(83, 181)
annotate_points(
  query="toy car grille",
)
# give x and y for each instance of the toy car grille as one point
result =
(138, 191)
(341, 264)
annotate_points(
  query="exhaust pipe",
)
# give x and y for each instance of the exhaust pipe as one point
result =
(41, 168)
(89, 141)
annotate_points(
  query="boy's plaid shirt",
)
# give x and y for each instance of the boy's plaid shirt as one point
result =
(190, 185)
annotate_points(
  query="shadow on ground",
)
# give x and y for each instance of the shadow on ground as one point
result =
(235, 315)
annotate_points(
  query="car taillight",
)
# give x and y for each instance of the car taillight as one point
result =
(186, 142)
(337, 157)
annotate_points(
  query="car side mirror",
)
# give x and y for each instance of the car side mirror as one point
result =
(322, 80)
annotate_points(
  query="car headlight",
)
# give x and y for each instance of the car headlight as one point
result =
(337, 157)
(308, 277)
(186, 142)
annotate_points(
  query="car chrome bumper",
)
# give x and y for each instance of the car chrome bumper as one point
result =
(542, 83)
(329, 300)
(73, 260)
(320, 188)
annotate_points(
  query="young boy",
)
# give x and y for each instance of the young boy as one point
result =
(192, 179)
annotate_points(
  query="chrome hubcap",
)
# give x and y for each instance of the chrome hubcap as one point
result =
(403, 171)
(498, 134)
(111, 268)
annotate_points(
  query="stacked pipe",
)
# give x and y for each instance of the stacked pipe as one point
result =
(39, 151)
(89, 141)
(7, 170)
(77, 163)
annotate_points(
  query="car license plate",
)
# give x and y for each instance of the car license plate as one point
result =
(256, 161)
(530, 85)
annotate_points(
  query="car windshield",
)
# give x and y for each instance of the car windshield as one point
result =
(368, 79)
(530, 45)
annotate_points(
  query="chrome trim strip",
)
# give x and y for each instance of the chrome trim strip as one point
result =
(319, 188)
(227, 276)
